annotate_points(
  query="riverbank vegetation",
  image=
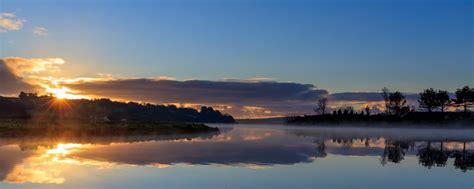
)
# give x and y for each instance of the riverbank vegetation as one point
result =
(72, 128)
(432, 108)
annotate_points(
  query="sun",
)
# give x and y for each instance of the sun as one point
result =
(62, 93)
(58, 93)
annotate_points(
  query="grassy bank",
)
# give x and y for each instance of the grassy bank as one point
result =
(20, 127)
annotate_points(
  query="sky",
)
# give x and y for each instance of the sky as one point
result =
(229, 47)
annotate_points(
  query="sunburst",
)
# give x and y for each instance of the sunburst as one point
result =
(63, 93)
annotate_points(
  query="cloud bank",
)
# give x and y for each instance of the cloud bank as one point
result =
(240, 98)
(249, 98)
(35, 66)
(200, 91)
(10, 82)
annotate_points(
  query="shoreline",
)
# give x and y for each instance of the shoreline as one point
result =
(388, 124)
(72, 128)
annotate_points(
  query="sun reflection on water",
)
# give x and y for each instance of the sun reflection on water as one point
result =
(63, 149)
(45, 167)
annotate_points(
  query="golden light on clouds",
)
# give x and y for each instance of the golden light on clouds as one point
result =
(259, 112)
(33, 67)
(9, 21)
(39, 71)
(63, 93)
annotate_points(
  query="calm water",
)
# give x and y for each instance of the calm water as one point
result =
(246, 156)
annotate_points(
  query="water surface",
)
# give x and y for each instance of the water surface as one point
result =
(246, 156)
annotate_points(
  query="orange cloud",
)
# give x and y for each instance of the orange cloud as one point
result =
(11, 83)
(9, 21)
(24, 67)
(257, 112)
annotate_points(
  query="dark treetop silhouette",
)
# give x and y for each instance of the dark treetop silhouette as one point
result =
(431, 103)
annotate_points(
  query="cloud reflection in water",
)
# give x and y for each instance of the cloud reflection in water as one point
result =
(253, 148)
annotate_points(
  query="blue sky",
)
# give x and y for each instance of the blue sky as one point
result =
(337, 45)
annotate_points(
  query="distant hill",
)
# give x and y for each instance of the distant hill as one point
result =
(30, 106)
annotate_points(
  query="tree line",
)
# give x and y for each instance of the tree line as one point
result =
(32, 105)
(430, 100)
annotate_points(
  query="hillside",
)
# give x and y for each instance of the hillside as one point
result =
(32, 106)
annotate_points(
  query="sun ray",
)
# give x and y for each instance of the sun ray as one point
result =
(62, 93)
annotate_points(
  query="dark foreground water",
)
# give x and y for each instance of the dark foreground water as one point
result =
(246, 156)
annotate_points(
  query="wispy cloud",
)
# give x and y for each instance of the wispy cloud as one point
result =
(40, 31)
(253, 79)
(10, 22)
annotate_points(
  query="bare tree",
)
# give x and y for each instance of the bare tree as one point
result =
(386, 98)
(322, 105)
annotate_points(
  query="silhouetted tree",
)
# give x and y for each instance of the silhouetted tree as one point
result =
(349, 109)
(386, 98)
(428, 100)
(397, 103)
(22, 95)
(367, 110)
(322, 105)
(443, 99)
(464, 97)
